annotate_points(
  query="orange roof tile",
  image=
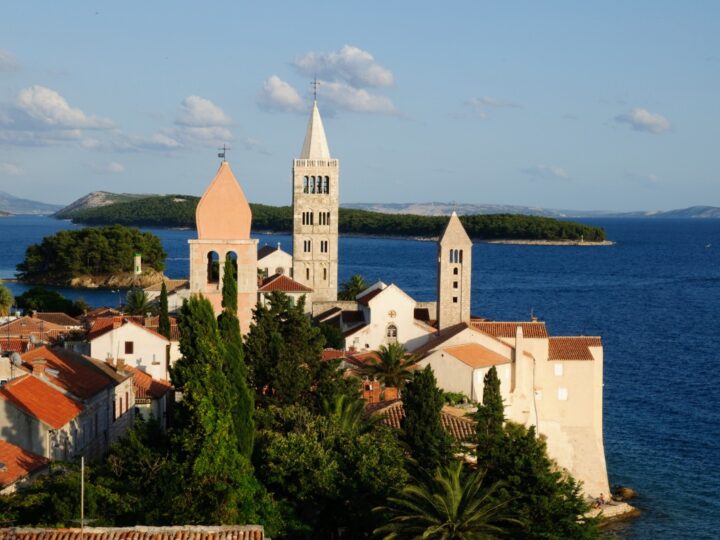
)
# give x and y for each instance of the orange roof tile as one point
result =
(18, 463)
(332, 354)
(102, 326)
(506, 329)
(41, 401)
(13, 344)
(24, 327)
(181, 532)
(153, 323)
(146, 386)
(59, 318)
(76, 374)
(461, 428)
(476, 356)
(283, 283)
(572, 347)
(171, 285)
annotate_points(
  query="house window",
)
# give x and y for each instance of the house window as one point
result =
(558, 370)
(391, 333)
(455, 284)
(129, 347)
(562, 394)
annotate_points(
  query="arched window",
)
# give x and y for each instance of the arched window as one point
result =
(461, 256)
(306, 184)
(391, 333)
(312, 184)
(327, 184)
(232, 257)
(213, 267)
(325, 274)
(307, 274)
(455, 271)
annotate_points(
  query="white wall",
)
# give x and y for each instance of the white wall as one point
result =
(148, 349)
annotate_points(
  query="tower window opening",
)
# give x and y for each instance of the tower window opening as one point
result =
(455, 271)
(213, 267)
(455, 299)
(455, 284)
(312, 184)
(306, 184)
(328, 218)
(323, 246)
(461, 253)
(307, 246)
(307, 274)
(325, 274)
(327, 184)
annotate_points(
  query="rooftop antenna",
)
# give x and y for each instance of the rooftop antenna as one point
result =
(315, 83)
(222, 151)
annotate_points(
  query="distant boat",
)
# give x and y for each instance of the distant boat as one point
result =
(707, 246)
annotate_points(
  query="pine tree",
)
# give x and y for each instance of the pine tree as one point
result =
(490, 416)
(423, 401)
(164, 317)
(234, 364)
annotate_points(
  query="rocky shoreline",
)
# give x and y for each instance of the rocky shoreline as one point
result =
(551, 242)
(120, 280)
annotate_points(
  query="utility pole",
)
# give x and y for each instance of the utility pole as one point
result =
(82, 497)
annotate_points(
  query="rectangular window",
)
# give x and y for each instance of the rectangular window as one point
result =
(323, 246)
(562, 394)
(558, 370)
(129, 347)
(307, 246)
(455, 299)
(307, 274)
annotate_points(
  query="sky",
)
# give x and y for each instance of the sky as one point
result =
(569, 105)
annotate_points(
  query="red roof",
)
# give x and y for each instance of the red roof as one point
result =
(572, 347)
(41, 401)
(508, 329)
(181, 532)
(282, 283)
(476, 356)
(153, 323)
(76, 374)
(461, 428)
(59, 318)
(13, 344)
(24, 327)
(147, 387)
(102, 326)
(332, 354)
(18, 463)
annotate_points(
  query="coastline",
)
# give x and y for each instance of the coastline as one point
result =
(551, 242)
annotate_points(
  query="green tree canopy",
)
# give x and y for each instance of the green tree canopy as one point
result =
(424, 434)
(137, 302)
(42, 299)
(449, 505)
(490, 414)
(352, 287)
(6, 300)
(163, 315)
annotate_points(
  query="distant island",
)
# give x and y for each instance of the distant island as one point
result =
(178, 211)
(5, 214)
(16, 205)
(94, 257)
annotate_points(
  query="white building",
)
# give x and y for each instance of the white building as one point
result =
(273, 260)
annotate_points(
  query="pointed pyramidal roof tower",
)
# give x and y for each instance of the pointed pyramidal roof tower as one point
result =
(315, 145)
(454, 274)
(455, 232)
(223, 212)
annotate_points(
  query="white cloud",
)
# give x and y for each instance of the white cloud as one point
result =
(115, 167)
(349, 98)
(51, 109)
(10, 169)
(278, 95)
(481, 104)
(196, 111)
(547, 172)
(644, 120)
(350, 64)
(8, 62)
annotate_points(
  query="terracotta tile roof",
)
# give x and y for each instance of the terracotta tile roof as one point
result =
(508, 329)
(171, 285)
(266, 250)
(101, 312)
(182, 532)
(76, 374)
(146, 386)
(61, 319)
(18, 345)
(332, 354)
(461, 428)
(441, 337)
(365, 299)
(153, 323)
(24, 327)
(476, 356)
(18, 463)
(41, 401)
(572, 347)
(104, 325)
(283, 283)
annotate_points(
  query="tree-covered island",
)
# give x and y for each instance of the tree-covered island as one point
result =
(179, 211)
(94, 257)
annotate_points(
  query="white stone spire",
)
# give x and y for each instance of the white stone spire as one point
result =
(315, 145)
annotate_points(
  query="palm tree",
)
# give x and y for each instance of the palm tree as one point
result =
(392, 366)
(352, 287)
(447, 506)
(349, 414)
(137, 303)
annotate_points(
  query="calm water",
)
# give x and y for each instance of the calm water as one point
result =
(655, 299)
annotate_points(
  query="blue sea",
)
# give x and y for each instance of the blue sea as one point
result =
(654, 296)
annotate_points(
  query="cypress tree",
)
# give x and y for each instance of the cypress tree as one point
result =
(490, 415)
(234, 363)
(164, 317)
(423, 401)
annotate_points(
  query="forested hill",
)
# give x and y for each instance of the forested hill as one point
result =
(179, 211)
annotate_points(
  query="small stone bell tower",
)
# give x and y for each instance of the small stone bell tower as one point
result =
(454, 274)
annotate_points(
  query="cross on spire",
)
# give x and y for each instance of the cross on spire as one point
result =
(315, 83)
(221, 153)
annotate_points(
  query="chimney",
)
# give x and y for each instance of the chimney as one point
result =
(38, 366)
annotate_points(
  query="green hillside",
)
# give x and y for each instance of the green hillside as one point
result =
(179, 211)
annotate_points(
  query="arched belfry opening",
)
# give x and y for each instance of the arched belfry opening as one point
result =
(213, 268)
